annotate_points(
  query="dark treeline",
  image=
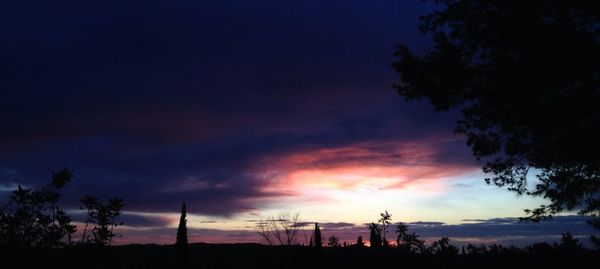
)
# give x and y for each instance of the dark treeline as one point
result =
(263, 256)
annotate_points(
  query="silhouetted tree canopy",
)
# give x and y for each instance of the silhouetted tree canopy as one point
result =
(32, 218)
(182, 239)
(333, 241)
(408, 242)
(525, 76)
(385, 220)
(89, 204)
(104, 217)
(443, 247)
(568, 243)
(401, 230)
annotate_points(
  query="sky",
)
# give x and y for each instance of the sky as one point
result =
(241, 109)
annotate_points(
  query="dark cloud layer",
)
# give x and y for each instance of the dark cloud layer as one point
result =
(162, 102)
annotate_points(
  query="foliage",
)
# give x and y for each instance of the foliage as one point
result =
(32, 218)
(443, 247)
(333, 241)
(401, 232)
(408, 242)
(89, 203)
(281, 229)
(567, 242)
(525, 76)
(103, 217)
(385, 220)
(411, 243)
(182, 239)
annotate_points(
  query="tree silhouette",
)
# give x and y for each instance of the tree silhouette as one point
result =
(568, 243)
(443, 247)
(333, 241)
(318, 242)
(359, 241)
(411, 243)
(32, 218)
(401, 233)
(282, 228)
(89, 204)
(408, 242)
(182, 239)
(104, 217)
(375, 236)
(385, 220)
(525, 76)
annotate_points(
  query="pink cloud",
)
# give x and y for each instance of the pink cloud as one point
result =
(392, 165)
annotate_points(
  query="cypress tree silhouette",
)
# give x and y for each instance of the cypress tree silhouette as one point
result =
(375, 236)
(359, 241)
(182, 229)
(317, 236)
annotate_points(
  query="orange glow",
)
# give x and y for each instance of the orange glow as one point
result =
(361, 167)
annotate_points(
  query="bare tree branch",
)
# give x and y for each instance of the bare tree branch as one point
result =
(283, 228)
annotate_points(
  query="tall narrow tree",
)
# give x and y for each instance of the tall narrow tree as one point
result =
(182, 229)
(375, 236)
(317, 236)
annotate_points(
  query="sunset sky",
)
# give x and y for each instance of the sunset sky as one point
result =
(241, 109)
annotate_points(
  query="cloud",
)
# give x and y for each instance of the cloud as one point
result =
(336, 225)
(9, 187)
(144, 220)
(377, 165)
(425, 223)
(224, 179)
(169, 106)
(494, 221)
